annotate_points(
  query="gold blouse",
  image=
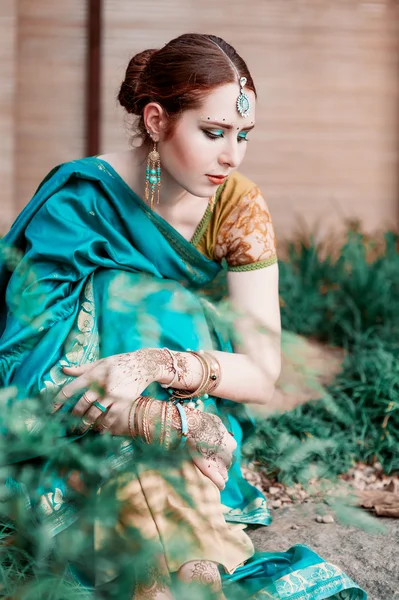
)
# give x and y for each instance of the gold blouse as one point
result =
(238, 228)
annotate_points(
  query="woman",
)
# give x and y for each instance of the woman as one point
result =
(162, 221)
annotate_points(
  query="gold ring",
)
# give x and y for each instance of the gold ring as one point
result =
(100, 427)
(86, 398)
(62, 392)
(87, 423)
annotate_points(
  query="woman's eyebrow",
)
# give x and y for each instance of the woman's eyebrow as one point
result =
(226, 126)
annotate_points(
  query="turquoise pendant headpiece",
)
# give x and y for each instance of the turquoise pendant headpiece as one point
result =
(243, 103)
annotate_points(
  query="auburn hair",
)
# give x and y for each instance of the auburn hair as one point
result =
(179, 76)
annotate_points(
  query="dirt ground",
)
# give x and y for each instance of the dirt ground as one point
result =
(372, 560)
(307, 366)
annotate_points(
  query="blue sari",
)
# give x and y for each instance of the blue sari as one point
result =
(88, 236)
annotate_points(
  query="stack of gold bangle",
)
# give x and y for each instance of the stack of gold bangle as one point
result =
(211, 377)
(139, 426)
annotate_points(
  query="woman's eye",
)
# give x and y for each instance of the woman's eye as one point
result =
(213, 135)
(243, 137)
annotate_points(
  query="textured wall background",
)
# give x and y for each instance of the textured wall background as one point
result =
(327, 71)
(50, 89)
(327, 136)
(8, 30)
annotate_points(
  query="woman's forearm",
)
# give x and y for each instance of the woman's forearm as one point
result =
(243, 378)
(246, 380)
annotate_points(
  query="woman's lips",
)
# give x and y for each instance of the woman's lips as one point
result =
(216, 180)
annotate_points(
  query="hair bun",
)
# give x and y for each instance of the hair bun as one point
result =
(129, 96)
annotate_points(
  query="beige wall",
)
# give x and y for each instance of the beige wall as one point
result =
(327, 136)
(50, 84)
(42, 75)
(8, 30)
(326, 143)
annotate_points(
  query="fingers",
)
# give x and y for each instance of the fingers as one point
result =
(115, 420)
(90, 420)
(222, 469)
(78, 386)
(231, 443)
(210, 470)
(75, 370)
(221, 451)
(91, 375)
(86, 402)
(225, 455)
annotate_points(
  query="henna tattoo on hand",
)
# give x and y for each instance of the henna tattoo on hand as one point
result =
(183, 369)
(207, 431)
(143, 364)
(202, 572)
(141, 368)
(176, 365)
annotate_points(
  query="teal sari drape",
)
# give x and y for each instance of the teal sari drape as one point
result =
(86, 236)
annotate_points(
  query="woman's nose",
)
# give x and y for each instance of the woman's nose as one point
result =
(231, 156)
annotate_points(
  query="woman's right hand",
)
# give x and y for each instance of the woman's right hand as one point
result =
(211, 444)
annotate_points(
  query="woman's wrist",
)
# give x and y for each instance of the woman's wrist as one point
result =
(180, 368)
(154, 362)
(155, 416)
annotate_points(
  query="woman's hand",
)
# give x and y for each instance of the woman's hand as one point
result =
(113, 382)
(211, 444)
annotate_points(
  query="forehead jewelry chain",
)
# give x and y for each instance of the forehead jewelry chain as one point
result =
(243, 103)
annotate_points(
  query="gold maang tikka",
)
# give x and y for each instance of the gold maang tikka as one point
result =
(152, 176)
(243, 104)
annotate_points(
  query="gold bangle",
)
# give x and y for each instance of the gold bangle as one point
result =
(163, 417)
(146, 428)
(207, 370)
(205, 375)
(168, 424)
(211, 378)
(184, 395)
(138, 427)
(215, 372)
(130, 419)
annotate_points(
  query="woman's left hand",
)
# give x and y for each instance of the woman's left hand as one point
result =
(112, 383)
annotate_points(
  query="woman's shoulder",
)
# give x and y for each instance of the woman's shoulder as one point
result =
(237, 185)
(235, 190)
(67, 167)
(74, 182)
(87, 171)
(84, 165)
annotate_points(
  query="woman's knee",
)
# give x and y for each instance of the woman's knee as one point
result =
(201, 572)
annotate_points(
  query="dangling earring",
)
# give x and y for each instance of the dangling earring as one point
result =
(152, 175)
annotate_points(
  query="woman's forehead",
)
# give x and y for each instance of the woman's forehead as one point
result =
(221, 105)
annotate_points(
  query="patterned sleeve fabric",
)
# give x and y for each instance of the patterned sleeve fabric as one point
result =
(246, 238)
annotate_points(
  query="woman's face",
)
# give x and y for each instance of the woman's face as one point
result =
(208, 141)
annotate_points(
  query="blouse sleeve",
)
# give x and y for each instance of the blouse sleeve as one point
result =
(246, 238)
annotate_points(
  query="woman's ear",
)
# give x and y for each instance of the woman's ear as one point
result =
(154, 120)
